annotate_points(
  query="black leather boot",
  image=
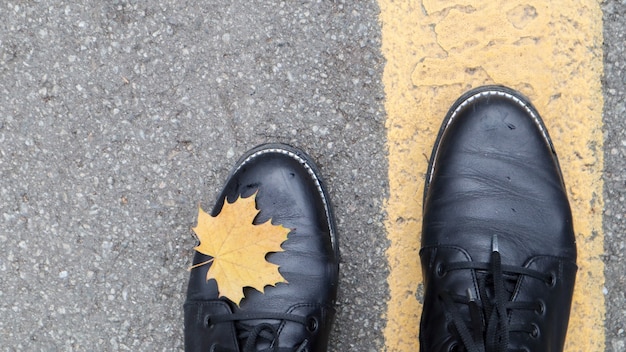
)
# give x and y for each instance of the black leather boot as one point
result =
(293, 316)
(498, 248)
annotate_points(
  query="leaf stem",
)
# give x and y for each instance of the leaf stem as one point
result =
(200, 264)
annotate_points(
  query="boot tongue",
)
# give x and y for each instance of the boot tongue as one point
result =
(493, 279)
(258, 336)
(486, 284)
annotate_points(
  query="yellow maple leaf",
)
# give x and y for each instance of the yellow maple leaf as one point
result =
(239, 247)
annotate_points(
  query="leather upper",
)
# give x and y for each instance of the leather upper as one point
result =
(494, 172)
(290, 193)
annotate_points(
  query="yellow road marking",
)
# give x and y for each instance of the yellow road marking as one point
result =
(549, 50)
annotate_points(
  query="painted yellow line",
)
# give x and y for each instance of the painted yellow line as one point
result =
(549, 50)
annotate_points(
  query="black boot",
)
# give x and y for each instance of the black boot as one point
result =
(292, 316)
(498, 248)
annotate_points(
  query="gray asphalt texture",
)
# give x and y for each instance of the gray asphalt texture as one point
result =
(118, 118)
(614, 172)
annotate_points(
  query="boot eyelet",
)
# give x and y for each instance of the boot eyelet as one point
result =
(312, 324)
(541, 308)
(454, 347)
(552, 280)
(440, 270)
(536, 332)
(207, 322)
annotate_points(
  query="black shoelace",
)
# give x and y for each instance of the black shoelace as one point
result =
(251, 335)
(488, 328)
